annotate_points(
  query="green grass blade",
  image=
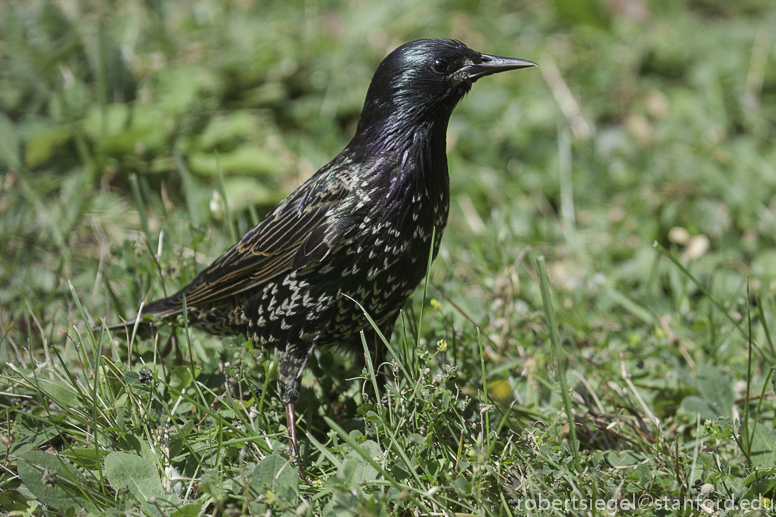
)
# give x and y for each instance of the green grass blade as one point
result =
(748, 439)
(385, 341)
(764, 322)
(370, 368)
(484, 391)
(191, 350)
(190, 190)
(135, 187)
(222, 184)
(416, 364)
(560, 361)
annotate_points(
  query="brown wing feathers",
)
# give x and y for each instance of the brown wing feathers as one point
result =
(291, 237)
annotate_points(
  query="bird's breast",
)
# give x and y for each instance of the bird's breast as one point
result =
(386, 255)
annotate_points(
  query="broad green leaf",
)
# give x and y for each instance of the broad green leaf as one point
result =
(190, 510)
(88, 458)
(341, 505)
(275, 471)
(43, 143)
(13, 501)
(180, 377)
(137, 474)
(714, 386)
(246, 159)
(624, 458)
(121, 129)
(63, 487)
(274, 478)
(136, 444)
(760, 482)
(764, 446)
(238, 125)
(31, 436)
(178, 86)
(10, 151)
(643, 472)
(59, 392)
(702, 407)
(355, 469)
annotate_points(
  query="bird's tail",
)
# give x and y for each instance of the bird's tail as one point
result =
(160, 310)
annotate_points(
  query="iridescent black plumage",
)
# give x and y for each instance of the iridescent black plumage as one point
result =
(361, 226)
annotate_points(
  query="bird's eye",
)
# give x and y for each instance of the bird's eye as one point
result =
(439, 66)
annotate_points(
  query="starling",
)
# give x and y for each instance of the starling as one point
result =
(359, 230)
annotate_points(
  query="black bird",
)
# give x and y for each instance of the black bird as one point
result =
(359, 230)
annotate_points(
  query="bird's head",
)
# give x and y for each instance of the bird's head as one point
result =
(423, 80)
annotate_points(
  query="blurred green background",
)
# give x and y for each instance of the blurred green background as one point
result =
(646, 121)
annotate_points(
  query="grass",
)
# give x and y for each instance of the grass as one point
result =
(597, 332)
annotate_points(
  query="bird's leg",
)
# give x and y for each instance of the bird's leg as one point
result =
(291, 363)
(291, 425)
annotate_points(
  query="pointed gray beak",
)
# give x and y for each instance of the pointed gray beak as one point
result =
(493, 65)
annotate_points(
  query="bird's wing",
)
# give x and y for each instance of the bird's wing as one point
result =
(295, 234)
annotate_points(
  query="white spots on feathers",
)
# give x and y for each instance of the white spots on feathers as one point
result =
(350, 271)
(420, 233)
